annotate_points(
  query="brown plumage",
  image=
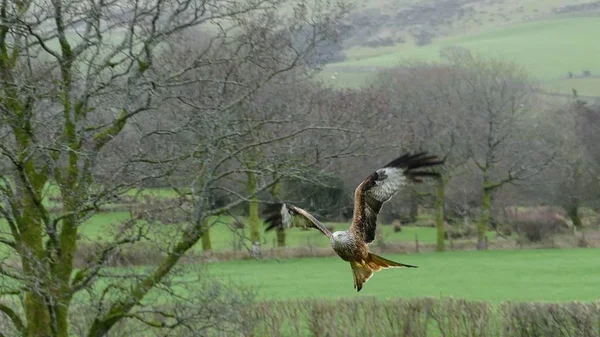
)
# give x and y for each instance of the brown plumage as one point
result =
(369, 197)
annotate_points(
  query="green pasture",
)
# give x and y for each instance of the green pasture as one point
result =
(102, 226)
(546, 275)
(497, 275)
(563, 275)
(548, 49)
(501, 275)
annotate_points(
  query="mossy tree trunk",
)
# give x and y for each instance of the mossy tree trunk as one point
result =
(47, 268)
(46, 245)
(280, 237)
(62, 102)
(280, 231)
(489, 188)
(573, 212)
(439, 214)
(206, 243)
(32, 252)
(484, 218)
(253, 217)
(414, 207)
(573, 199)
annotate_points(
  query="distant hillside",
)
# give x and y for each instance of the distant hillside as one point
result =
(377, 23)
(557, 43)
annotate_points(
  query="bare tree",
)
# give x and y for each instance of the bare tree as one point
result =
(573, 181)
(498, 101)
(77, 78)
(427, 103)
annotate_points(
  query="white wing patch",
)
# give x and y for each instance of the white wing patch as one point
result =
(388, 182)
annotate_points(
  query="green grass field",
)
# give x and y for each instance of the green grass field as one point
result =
(101, 227)
(539, 275)
(496, 277)
(523, 275)
(548, 49)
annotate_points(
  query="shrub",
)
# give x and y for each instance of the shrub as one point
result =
(550, 319)
(422, 37)
(535, 224)
(506, 230)
(456, 232)
(418, 317)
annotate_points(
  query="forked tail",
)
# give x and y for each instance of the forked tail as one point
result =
(363, 270)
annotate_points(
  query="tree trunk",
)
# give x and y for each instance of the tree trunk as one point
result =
(574, 203)
(573, 212)
(439, 215)
(484, 219)
(38, 319)
(63, 270)
(280, 237)
(414, 207)
(253, 218)
(31, 251)
(206, 244)
(276, 194)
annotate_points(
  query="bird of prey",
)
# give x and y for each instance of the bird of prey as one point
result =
(370, 195)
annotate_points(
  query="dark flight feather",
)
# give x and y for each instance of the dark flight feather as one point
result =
(384, 183)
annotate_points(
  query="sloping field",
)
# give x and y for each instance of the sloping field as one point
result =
(548, 49)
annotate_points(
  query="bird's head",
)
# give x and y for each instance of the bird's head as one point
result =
(339, 236)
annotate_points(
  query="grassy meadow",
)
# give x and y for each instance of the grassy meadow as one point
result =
(527, 275)
(463, 289)
(101, 226)
(538, 275)
(494, 277)
(454, 294)
(548, 49)
(501, 275)
(451, 294)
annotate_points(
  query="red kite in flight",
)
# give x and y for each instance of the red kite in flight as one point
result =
(369, 197)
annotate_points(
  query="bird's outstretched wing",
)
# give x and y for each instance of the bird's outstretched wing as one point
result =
(381, 185)
(280, 215)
